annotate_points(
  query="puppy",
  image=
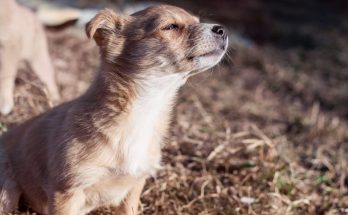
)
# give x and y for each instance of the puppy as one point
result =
(22, 38)
(98, 150)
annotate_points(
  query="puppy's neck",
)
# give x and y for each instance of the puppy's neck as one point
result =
(133, 110)
(121, 90)
(154, 84)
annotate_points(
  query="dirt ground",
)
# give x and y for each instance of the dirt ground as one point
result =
(265, 132)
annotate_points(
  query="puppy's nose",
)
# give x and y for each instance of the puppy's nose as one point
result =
(219, 31)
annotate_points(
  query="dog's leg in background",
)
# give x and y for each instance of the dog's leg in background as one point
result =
(8, 71)
(130, 205)
(9, 191)
(43, 68)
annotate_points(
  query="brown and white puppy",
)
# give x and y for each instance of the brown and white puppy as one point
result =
(98, 150)
(22, 39)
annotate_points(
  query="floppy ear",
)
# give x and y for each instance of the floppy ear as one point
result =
(106, 29)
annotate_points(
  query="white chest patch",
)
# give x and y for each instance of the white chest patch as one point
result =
(149, 111)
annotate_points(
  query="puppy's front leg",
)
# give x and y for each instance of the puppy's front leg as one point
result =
(8, 71)
(130, 205)
(67, 203)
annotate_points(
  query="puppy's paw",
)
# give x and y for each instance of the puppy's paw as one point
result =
(6, 106)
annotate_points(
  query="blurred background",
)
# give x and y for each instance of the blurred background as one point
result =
(265, 132)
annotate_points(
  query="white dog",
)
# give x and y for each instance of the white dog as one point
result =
(22, 38)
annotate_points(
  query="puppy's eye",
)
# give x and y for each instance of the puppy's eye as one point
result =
(171, 27)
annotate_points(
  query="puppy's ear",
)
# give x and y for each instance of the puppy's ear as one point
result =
(106, 29)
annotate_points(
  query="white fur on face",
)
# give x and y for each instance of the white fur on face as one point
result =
(149, 111)
(207, 62)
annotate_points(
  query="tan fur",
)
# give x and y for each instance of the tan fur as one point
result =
(99, 149)
(22, 39)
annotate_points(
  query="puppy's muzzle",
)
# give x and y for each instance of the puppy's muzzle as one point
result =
(220, 34)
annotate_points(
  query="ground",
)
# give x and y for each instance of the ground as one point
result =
(265, 132)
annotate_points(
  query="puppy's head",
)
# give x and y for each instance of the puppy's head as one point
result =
(162, 38)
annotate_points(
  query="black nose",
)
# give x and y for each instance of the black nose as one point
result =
(218, 30)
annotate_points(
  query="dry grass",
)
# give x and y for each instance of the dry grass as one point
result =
(265, 136)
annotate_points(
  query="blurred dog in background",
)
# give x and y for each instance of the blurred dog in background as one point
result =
(22, 38)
